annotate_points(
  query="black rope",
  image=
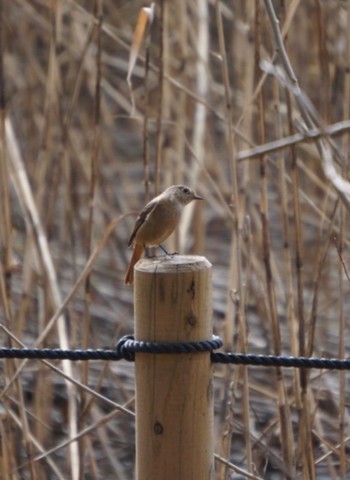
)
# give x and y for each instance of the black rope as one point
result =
(58, 354)
(280, 361)
(127, 346)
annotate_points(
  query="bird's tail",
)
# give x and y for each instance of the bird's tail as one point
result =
(136, 255)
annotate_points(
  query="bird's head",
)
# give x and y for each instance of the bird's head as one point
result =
(184, 194)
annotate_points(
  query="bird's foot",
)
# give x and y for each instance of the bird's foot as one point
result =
(149, 252)
(168, 254)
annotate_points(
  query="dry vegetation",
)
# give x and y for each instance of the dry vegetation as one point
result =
(275, 223)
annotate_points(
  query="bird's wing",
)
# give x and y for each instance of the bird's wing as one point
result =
(148, 209)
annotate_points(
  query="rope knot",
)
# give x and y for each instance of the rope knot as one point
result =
(123, 348)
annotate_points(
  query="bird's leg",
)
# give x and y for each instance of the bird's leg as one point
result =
(150, 252)
(167, 253)
(163, 248)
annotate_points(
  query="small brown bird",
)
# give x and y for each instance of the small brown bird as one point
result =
(157, 221)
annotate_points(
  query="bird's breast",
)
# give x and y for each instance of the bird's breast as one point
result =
(159, 224)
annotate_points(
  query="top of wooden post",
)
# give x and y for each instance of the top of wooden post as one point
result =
(170, 292)
(169, 264)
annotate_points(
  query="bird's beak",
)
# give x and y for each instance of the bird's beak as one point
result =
(197, 197)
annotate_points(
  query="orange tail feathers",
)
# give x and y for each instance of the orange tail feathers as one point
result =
(136, 255)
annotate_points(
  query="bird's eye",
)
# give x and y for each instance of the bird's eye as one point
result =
(186, 190)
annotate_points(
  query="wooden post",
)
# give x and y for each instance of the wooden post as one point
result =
(174, 406)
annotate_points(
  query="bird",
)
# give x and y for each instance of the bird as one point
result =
(157, 221)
